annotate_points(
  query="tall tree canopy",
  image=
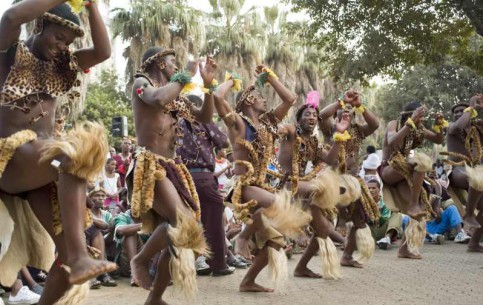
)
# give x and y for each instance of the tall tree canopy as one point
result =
(365, 38)
(437, 86)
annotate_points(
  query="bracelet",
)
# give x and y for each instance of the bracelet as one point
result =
(229, 114)
(342, 137)
(212, 88)
(184, 78)
(263, 77)
(439, 127)
(410, 123)
(472, 111)
(237, 80)
(360, 109)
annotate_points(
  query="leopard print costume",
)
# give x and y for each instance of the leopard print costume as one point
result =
(29, 77)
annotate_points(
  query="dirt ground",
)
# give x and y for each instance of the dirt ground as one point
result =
(446, 275)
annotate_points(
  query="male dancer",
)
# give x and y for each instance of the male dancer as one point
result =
(464, 139)
(163, 193)
(298, 146)
(252, 130)
(365, 208)
(33, 73)
(403, 175)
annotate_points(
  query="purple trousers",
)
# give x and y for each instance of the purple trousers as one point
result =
(212, 209)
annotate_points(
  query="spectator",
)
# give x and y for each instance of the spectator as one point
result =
(128, 241)
(390, 223)
(445, 221)
(223, 170)
(111, 183)
(370, 166)
(20, 294)
(102, 223)
(123, 160)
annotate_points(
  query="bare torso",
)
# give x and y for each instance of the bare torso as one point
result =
(155, 128)
(456, 143)
(386, 149)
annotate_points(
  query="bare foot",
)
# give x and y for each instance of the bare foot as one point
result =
(140, 273)
(86, 268)
(253, 287)
(476, 248)
(350, 263)
(470, 222)
(306, 272)
(415, 211)
(404, 253)
(242, 248)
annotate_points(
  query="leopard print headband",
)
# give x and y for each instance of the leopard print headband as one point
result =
(156, 57)
(245, 97)
(39, 24)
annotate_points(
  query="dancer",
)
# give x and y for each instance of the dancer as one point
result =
(403, 175)
(298, 146)
(33, 73)
(365, 208)
(162, 191)
(252, 130)
(464, 139)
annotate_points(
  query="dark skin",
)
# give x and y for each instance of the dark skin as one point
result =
(322, 226)
(352, 99)
(156, 131)
(237, 129)
(24, 173)
(393, 139)
(456, 143)
(98, 240)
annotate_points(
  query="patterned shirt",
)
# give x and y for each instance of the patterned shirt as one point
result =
(195, 146)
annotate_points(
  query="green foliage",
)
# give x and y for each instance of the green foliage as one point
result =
(437, 86)
(361, 39)
(105, 100)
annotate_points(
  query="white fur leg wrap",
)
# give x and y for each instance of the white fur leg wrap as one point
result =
(423, 162)
(475, 177)
(330, 259)
(183, 273)
(352, 189)
(77, 295)
(278, 264)
(415, 234)
(6, 229)
(365, 244)
(326, 189)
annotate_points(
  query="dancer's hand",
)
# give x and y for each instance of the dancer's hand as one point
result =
(192, 66)
(351, 96)
(418, 114)
(476, 101)
(208, 71)
(344, 122)
(259, 69)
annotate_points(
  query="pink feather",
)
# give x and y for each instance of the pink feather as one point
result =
(313, 98)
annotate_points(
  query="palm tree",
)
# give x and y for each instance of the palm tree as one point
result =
(165, 23)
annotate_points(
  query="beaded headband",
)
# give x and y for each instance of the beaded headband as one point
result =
(155, 57)
(244, 97)
(39, 24)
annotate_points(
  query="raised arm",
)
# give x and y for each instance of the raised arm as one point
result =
(226, 113)
(325, 118)
(465, 119)
(435, 136)
(396, 137)
(101, 48)
(288, 98)
(330, 157)
(18, 14)
(205, 113)
(157, 97)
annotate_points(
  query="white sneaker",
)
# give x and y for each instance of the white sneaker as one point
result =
(436, 239)
(24, 296)
(462, 238)
(202, 268)
(384, 243)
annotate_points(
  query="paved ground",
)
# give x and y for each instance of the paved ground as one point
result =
(446, 275)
